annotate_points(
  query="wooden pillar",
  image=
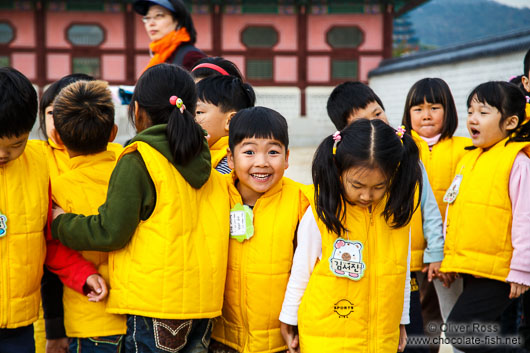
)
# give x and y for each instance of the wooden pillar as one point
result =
(40, 45)
(130, 43)
(302, 55)
(388, 28)
(217, 28)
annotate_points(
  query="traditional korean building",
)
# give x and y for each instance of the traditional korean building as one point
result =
(297, 43)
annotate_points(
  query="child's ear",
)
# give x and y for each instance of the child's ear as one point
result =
(113, 133)
(230, 158)
(526, 83)
(228, 119)
(511, 122)
(56, 137)
(287, 159)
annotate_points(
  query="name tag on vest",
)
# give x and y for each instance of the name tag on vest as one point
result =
(241, 223)
(452, 192)
(346, 259)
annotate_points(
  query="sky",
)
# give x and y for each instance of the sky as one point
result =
(515, 3)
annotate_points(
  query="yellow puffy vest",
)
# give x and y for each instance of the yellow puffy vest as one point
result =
(339, 314)
(441, 162)
(82, 189)
(58, 158)
(24, 201)
(174, 266)
(258, 271)
(218, 150)
(478, 239)
(440, 165)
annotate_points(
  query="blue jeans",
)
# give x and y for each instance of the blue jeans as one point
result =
(107, 344)
(17, 340)
(150, 335)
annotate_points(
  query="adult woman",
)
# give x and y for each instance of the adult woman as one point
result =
(171, 31)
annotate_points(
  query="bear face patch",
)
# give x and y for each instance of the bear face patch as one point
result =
(346, 259)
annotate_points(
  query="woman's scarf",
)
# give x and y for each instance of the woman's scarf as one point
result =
(163, 48)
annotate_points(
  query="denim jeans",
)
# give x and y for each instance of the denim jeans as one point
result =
(17, 340)
(107, 344)
(150, 335)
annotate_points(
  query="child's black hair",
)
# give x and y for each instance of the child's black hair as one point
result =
(509, 101)
(152, 92)
(51, 92)
(348, 97)
(226, 92)
(526, 64)
(367, 144)
(518, 81)
(434, 91)
(18, 103)
(83, 115)
(258, 122)
(227, 65)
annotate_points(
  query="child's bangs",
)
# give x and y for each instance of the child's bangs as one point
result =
(487, 93)
(263, 129)
(427, 92)
(258, 122)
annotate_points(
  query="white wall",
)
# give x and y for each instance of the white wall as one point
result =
(461, 77)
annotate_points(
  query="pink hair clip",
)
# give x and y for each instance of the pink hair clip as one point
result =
(337, 138)
(174, 100)
(527, 99)
(400, 132)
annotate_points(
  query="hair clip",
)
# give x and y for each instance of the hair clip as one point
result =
(400, 132)
(527, 99)
(337, 138)
(174, 100)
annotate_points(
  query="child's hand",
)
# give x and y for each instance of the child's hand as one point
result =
(59, 345)
(56, 211)
(97, 288)
(402, 338)
(433, 270)
(516, 290)
(447, 278)
(290, 336)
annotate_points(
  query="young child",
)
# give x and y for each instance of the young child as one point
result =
(349, 102)
(349, 278)
(215, 66)
(165, 221)
(487, 222)
(23, 213)
(58, 163)
(83, 115)
(430, 117)
(220, 98)
(260, 253)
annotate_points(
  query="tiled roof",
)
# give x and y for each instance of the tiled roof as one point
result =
(516, 41)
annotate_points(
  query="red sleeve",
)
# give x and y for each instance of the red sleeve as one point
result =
(71, 267)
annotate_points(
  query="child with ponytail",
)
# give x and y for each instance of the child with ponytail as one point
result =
(487, 222)
(165, 221)
(349, 286)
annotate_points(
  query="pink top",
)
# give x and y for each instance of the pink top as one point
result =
(520, 196)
